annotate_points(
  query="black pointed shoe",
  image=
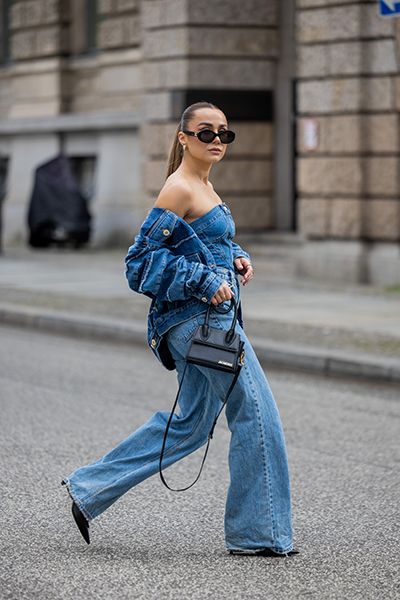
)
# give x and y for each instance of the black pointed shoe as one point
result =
(81, 521)
(79, 517)
(263, 552)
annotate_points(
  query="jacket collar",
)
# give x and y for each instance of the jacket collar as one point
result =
(163, 225)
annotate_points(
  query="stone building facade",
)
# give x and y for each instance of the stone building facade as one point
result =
(311, 87)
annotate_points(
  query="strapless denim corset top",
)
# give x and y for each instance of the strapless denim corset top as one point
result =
(216, 229)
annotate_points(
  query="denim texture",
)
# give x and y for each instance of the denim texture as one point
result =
(258, 502)
(174, 263)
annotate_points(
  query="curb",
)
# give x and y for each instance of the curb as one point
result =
(303, 358)
(326, 362)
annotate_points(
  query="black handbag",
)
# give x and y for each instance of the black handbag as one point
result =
(217, 349)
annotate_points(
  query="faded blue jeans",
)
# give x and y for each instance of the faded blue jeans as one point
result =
(258, 504)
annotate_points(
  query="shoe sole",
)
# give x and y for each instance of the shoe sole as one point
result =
(263, 552)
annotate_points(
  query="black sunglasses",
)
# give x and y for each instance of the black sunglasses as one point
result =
(207, 135)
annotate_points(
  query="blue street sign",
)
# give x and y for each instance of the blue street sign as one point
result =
(388, 8)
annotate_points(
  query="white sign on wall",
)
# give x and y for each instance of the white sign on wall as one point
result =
(310, 134)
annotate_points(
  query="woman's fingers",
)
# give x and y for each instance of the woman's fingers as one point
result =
(245, 269)
(248, 273)
(223, 293)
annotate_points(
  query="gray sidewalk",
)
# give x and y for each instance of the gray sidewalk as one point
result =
(332, 329)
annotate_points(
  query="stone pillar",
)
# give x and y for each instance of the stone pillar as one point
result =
(348, 142)
(224, 52)
(115, 207)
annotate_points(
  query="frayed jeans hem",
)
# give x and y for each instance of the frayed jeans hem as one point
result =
(76, 500)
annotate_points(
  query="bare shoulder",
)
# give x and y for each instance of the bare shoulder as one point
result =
(176, 196)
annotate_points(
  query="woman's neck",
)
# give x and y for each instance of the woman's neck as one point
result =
(195, 169)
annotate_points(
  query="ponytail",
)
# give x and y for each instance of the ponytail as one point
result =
(175, 154)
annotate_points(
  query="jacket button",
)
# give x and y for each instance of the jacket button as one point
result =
(213, 265)
(153, 343)
(166, 232)
(204, 299)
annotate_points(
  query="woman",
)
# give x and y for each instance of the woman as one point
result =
(183, 259)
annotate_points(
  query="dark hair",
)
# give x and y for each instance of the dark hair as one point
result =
(176, 152)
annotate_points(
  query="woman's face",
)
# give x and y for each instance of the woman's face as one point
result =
(205, 118)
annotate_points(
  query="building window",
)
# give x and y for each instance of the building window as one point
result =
(91, 25)
(4, 31)
(3, 177)
(83, 26)
(4, 162)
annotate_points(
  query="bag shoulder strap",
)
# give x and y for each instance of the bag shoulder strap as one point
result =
(210, 435)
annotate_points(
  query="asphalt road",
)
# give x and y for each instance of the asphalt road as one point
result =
(65, 402)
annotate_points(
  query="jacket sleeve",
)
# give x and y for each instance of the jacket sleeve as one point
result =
(238, 251)
(152, 269)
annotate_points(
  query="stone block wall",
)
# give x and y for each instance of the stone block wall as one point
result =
(119, 23)
(53, 71)
(224, 52)
(38, 38)
(38, 28)
(109, 79)
(348, 141)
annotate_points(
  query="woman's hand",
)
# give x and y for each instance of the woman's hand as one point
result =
(224, 292)
(245, 268)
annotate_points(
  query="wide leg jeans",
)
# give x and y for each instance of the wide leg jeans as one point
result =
(258, 503)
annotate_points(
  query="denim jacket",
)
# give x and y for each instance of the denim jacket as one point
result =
(170, 264)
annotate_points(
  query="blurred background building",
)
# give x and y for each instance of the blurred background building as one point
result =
(311, 87)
